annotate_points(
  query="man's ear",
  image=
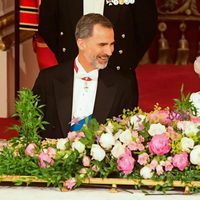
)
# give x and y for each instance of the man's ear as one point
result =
(81, 44)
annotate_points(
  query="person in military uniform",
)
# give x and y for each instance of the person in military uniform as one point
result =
(135, 24)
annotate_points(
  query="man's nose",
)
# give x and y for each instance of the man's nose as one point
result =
(109, 50)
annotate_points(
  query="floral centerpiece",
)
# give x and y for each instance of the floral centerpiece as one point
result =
(159, 145)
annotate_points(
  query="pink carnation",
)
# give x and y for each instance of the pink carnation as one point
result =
(168, 166)
(159, 170)
(95, 168)
(159, 116)
(132, 146)
(180, 161)
(159, 144)
(126, 162)
(195, 119)
(51, 152)
(142, 158)
(86, 161)
(45, 159)
(83, 171)
(29, 151)
(153, 164)
(71, 136)
(140, 146)
(172, 133)
(70, 183)
(80, 135)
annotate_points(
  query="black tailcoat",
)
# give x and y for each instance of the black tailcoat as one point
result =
(55, 88)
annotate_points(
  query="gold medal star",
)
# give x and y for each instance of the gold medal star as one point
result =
(121, 2)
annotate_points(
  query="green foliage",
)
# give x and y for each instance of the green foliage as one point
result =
(30, 114)
(184, 105)
(89, 130)
(68, 159)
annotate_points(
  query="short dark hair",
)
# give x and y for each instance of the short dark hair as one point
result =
(85, 25)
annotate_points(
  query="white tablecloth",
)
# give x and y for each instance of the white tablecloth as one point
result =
(44, 193)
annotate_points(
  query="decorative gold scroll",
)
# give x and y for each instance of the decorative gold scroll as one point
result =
(7, 20)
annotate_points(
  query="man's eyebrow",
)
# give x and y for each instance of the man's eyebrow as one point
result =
(105, 43)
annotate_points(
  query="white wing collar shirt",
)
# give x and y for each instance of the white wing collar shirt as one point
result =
(93, 6)
(84, 91)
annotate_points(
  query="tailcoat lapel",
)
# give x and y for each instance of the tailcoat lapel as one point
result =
(64, 93)
(106, 91)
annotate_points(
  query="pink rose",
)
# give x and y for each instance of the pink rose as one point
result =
(142, 158)
(180, 161)
(126, 162)
(29, 151)
(45, 159)
(70, 183)
(159, 144)
(86, 161)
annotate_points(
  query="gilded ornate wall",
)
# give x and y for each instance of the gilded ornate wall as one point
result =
(178, 38)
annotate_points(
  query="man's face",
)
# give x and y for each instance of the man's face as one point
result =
(99, 47)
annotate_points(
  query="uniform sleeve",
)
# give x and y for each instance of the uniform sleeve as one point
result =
(48, 29)
(145, 22)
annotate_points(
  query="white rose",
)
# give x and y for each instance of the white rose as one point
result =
(97, 152)
(61, 143)
(146, 172)
(118, 149)
(107, 140)
(79, 146)
(195, 99)
(187, 144)
(137, 120)
(195, 155)
(125, 137)
(197, 65)
(188, 128)
(156, 129)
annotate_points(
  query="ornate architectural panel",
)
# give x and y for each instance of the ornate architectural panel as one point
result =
(178, 40)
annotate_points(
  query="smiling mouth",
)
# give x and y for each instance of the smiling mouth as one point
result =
(103, 59)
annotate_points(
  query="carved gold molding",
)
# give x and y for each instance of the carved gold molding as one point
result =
(7, 20)
(179, 7)
(8, 41)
